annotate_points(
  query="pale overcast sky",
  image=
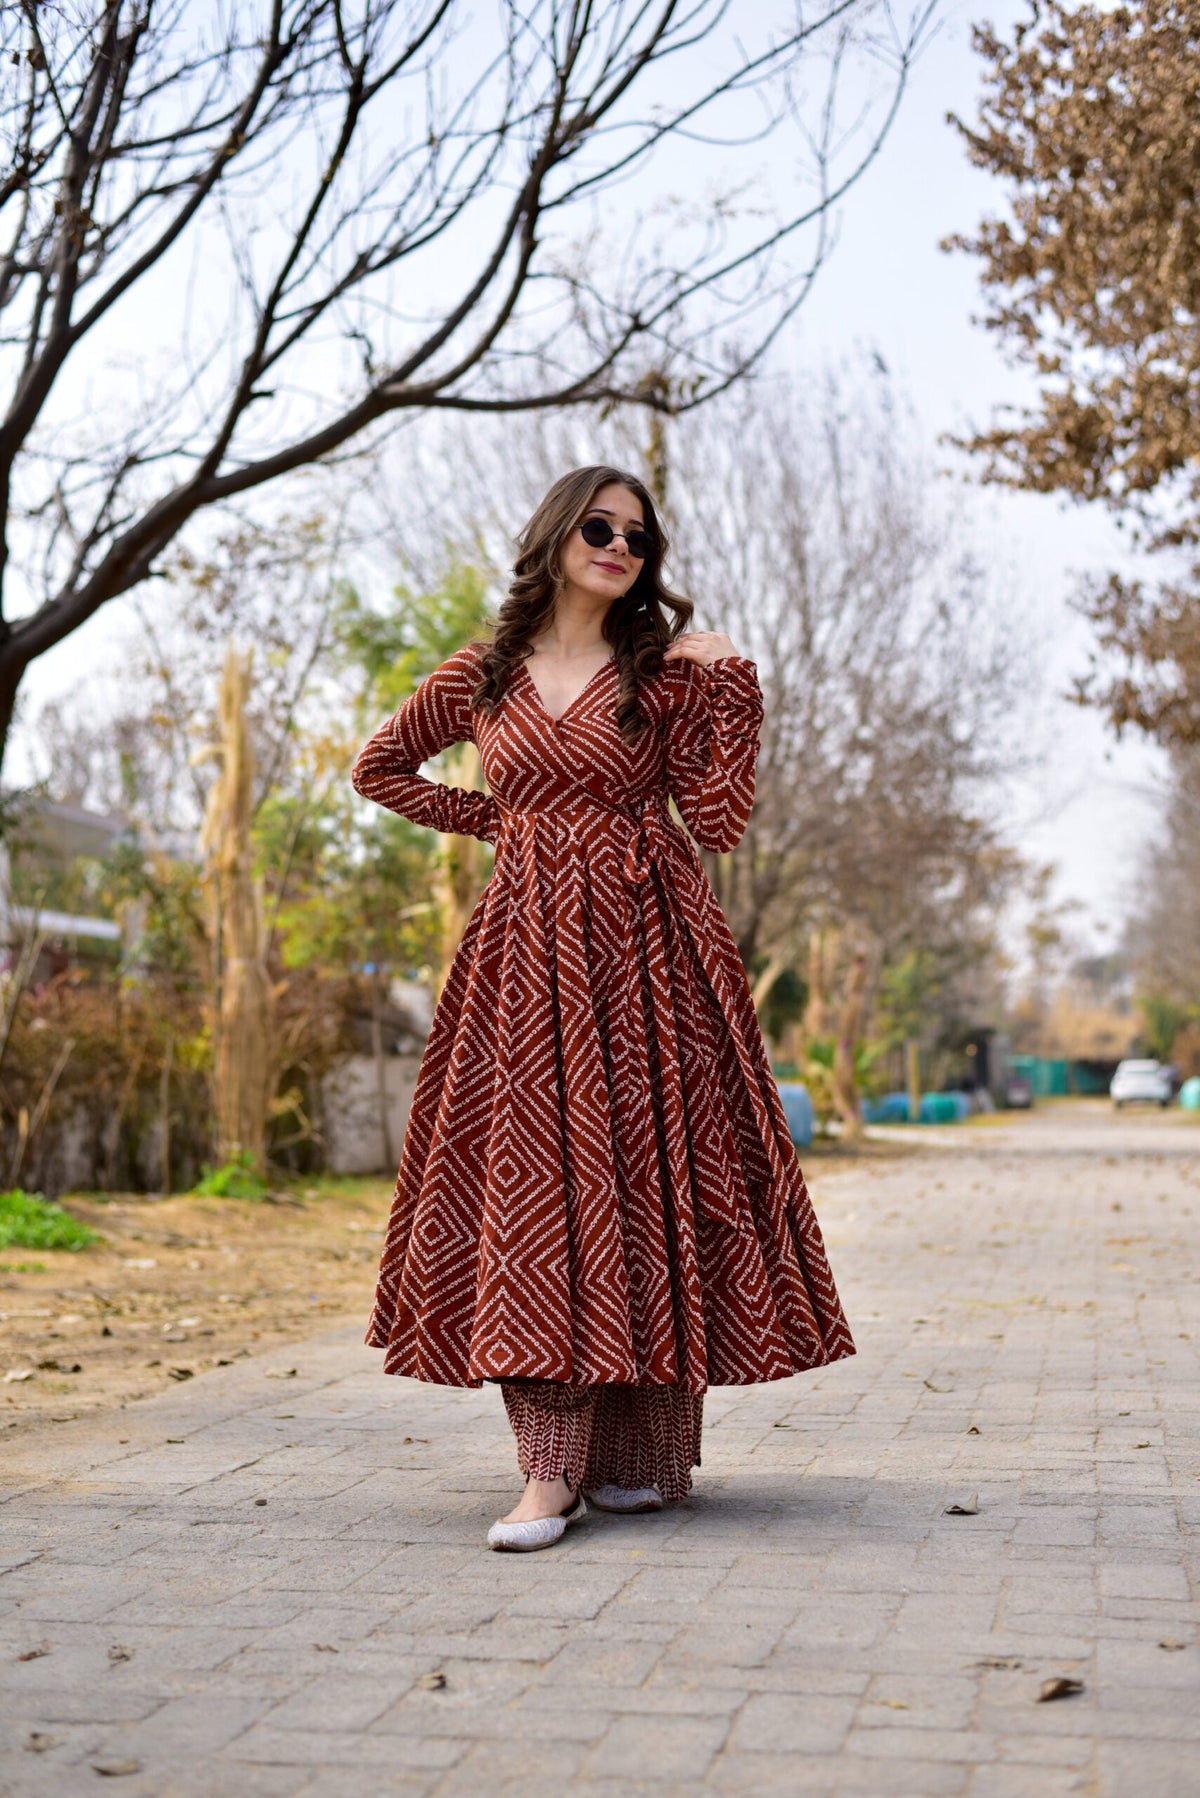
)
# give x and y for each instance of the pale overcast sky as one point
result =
(890, 288)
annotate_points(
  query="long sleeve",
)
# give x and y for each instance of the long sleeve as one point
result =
(437, 714)
(711, 747)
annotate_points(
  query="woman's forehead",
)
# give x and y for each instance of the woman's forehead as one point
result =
(617, 503)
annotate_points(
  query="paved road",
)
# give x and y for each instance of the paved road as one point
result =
(277, 1585)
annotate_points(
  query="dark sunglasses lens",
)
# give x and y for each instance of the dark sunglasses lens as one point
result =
(599, 533)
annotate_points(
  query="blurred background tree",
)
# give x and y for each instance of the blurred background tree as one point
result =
(1089, 119)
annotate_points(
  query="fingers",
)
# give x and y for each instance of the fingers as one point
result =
(699, 646)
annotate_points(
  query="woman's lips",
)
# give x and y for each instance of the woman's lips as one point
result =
(611, 567)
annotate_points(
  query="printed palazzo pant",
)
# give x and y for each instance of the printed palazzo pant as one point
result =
(628, 1436)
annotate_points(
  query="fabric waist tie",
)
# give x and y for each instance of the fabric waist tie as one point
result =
(647, 840)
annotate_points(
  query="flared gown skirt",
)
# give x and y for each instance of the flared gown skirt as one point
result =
(597, 1182)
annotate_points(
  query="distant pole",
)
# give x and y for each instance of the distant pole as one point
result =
(912, 1073)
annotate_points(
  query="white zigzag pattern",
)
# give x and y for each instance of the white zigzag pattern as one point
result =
(597, 1184)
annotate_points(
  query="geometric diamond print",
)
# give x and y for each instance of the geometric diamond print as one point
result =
(597, 1184)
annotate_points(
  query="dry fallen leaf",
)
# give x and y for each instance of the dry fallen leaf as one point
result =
(431, 1682)
(324, 1647)
(35, 1654)
(116, 1769)
(1171, 1642)
(180, 1373)
(973, 1430)
(17, 1373)
(895, 1704)
(37, 1741)
(281, 1373)
(1059, 1687)
(118, 1653)
(1001, 1663)
(963, 1507)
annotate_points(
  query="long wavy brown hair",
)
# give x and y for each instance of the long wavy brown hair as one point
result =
(639, 625)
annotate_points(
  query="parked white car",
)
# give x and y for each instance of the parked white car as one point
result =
(1146, 1081)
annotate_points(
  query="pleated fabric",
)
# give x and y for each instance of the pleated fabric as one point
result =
(597, 1183)
(631, 1436)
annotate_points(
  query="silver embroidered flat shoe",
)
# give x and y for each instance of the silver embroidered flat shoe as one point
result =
(538, 1532)
(627, 1499)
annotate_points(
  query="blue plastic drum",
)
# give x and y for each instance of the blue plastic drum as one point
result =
(798, 1110)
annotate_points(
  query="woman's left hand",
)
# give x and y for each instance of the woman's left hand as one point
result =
(701, 647)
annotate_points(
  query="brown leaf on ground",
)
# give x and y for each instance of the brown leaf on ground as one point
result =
(431, 1682)
(963, 1507)
(35, 1654)
(1059, 1687)
(1172, 1643)
(116, 1769)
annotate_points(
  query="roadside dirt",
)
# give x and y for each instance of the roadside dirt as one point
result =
(178, 1286)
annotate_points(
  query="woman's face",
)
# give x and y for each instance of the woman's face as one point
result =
(604, 574)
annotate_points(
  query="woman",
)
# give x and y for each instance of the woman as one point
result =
(598, 1204)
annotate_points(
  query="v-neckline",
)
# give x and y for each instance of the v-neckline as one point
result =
(586, 688)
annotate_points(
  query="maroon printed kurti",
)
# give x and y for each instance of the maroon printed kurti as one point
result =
(597, 1182)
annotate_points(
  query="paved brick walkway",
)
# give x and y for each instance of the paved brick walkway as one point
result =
(277, 1584)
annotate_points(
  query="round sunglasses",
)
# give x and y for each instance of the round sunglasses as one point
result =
(599, 534)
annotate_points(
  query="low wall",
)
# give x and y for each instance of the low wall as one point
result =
(354, 1141)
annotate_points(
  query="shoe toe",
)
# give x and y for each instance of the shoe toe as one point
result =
(526, 1538)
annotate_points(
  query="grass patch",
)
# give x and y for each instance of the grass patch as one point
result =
(238, 1179)
(30, 1221)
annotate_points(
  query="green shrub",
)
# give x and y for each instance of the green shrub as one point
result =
(30, 1221)
(238, 1179)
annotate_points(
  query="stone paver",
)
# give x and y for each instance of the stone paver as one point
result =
(278, 1586)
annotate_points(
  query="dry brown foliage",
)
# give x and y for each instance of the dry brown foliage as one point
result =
(1089, 118)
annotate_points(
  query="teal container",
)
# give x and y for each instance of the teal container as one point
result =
(1189, 1094)
(944, 1108)
(891, 1109)
(1049, 1075)
(798, 1110)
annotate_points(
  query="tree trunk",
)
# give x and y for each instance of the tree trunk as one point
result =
(385, 1130)
(11, 671)
(912, 1077)
(243, 1062)
(164, 1119)
(816, 1013)
(845, 1086)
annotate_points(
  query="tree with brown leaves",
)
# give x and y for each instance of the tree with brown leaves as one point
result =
(1089, 118)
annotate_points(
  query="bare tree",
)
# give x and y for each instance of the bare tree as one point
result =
(898, 681)
(1165, 930)
(233, 238)
(805, 526)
